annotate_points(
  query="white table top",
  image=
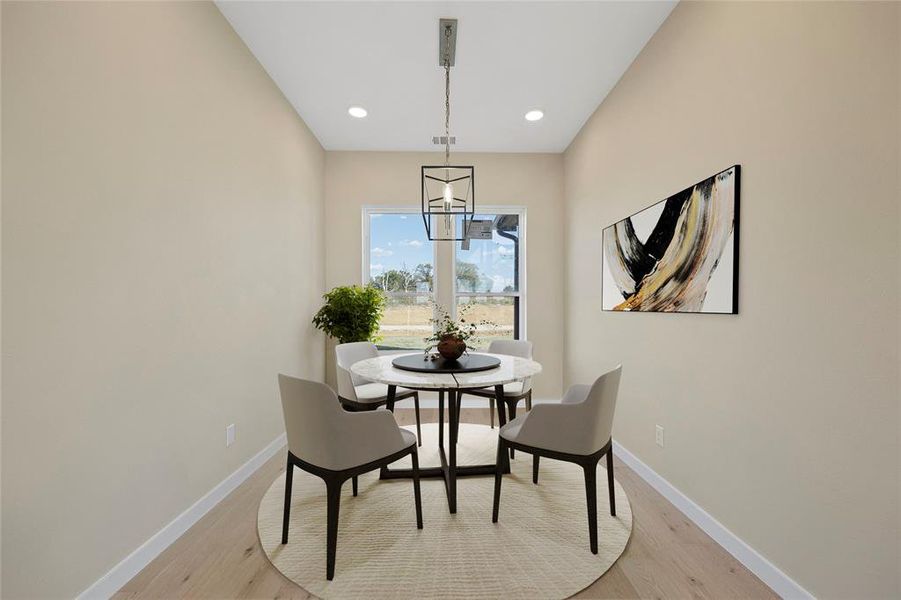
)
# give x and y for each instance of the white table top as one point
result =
(380, 370)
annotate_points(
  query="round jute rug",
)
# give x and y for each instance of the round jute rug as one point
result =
(538, 548)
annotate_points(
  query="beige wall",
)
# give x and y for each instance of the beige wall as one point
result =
(535, 181)
(782, 422)
(162, 255)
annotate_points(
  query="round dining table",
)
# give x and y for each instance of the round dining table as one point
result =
(451, 383)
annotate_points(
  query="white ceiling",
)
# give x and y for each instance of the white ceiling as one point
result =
(560, 57)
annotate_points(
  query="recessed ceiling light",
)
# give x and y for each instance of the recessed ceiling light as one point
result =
(358, 112)
(534, 115)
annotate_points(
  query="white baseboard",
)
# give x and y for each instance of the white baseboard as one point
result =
(132, 564)
(769, 573)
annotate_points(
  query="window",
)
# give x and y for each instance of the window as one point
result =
(488, 275)
(399, 259)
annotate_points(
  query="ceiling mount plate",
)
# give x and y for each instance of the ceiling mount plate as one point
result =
(444, 42)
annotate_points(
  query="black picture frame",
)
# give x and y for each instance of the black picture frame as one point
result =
(736, 229)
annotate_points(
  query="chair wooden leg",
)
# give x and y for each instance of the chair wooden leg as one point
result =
(491, 411)
(418, 422)
(333, 491)
(417, 496)
(610, 481)
(592, 500)
(529, 401)
(354, 484)
(535, 458)
(498, 476)
(289, 480)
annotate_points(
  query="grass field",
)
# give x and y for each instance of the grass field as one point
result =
(406, 322)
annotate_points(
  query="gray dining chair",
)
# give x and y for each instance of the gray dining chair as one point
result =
(577, 430)
(513, 392)
(358, 393)
(335, 445)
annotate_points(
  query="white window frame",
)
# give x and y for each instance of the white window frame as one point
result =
(520, 211)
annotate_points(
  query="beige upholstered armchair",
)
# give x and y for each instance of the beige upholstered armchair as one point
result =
(336, 445)
(357, 393)
(576, 430)
(515, 391)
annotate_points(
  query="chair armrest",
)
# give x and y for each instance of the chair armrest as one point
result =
(576, 394)
(368, 436)
(558, 427)
(526, 384)
(346, 388)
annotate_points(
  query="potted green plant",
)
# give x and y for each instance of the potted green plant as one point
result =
(450, 336)
(351, 313)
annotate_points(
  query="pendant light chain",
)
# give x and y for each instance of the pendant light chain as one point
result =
(447, 33)
(448, 213)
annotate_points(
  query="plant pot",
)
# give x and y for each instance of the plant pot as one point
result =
(451, 348)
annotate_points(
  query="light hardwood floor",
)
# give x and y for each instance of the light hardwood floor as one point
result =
(667, 556)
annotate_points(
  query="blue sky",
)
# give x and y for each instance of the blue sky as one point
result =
(397, 240)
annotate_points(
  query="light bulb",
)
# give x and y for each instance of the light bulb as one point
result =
(448, 197)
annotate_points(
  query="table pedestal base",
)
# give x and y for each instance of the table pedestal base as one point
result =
(449, 471)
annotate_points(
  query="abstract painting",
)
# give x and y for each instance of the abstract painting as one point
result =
(679, 255)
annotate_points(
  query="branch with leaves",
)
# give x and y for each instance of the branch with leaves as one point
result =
(351, 313)
(463, 329)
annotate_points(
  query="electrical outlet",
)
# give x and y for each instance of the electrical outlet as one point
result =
(229, 435)
(658, 437)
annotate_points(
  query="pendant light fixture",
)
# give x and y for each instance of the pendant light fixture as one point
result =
(448, 191)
